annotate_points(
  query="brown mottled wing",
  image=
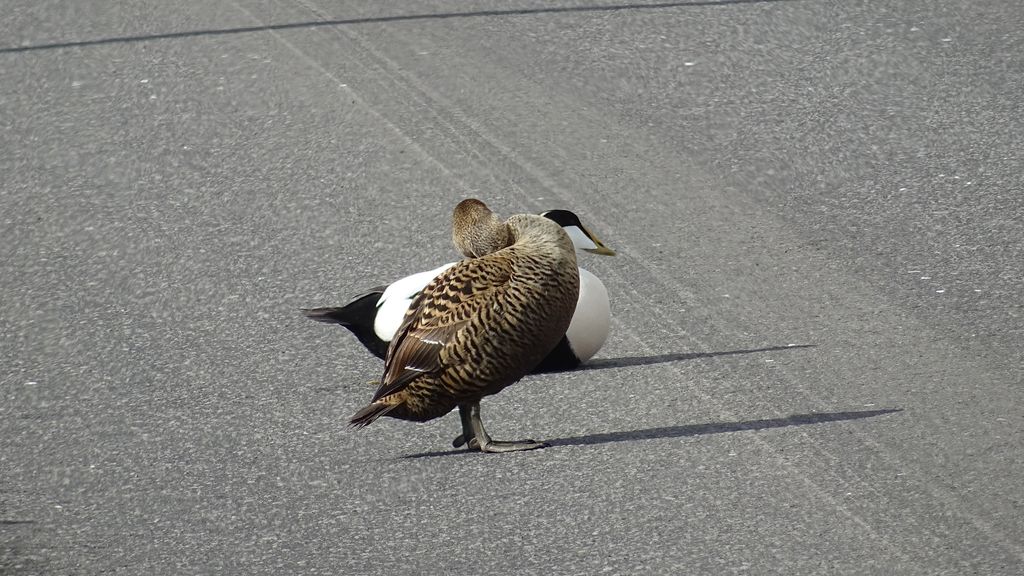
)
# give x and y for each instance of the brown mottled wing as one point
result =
(437, 315)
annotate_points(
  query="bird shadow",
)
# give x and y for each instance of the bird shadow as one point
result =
(605, 363)
(503, 12)
(688, 430)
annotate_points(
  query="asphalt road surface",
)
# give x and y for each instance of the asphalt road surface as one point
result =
(816, 361)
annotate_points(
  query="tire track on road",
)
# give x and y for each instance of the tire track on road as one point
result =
(473, 156)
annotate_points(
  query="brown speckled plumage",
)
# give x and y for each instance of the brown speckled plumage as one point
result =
(485, 322)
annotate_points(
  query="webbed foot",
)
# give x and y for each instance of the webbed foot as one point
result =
(476, 437)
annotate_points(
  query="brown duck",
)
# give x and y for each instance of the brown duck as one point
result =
(482, 324)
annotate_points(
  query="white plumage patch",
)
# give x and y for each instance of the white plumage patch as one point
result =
(397, 298)
(591, 322)
(592, 319)
(579, 238)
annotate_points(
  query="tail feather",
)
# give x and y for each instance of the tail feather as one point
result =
(334, 315)
(367, 415)
(358, 316)
(361, 310)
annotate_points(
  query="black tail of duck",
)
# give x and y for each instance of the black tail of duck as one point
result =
(358, 316)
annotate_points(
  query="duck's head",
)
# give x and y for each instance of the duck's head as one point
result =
(477, 231)
(581, 237)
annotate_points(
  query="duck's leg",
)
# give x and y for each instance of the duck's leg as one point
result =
(467, 428)
(481, 440)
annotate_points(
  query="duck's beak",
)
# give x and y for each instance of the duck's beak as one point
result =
(602, 250)
(598, 247)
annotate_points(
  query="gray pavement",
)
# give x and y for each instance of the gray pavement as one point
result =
(816, 358)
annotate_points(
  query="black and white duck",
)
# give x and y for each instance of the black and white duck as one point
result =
(374, 317)
(481, 324)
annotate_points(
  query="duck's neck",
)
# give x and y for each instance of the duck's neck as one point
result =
(482, 235)
(542, 237)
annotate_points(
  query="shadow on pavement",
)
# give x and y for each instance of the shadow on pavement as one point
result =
(717, 427)
(697, 429)
(379, 20)
(602, 363)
